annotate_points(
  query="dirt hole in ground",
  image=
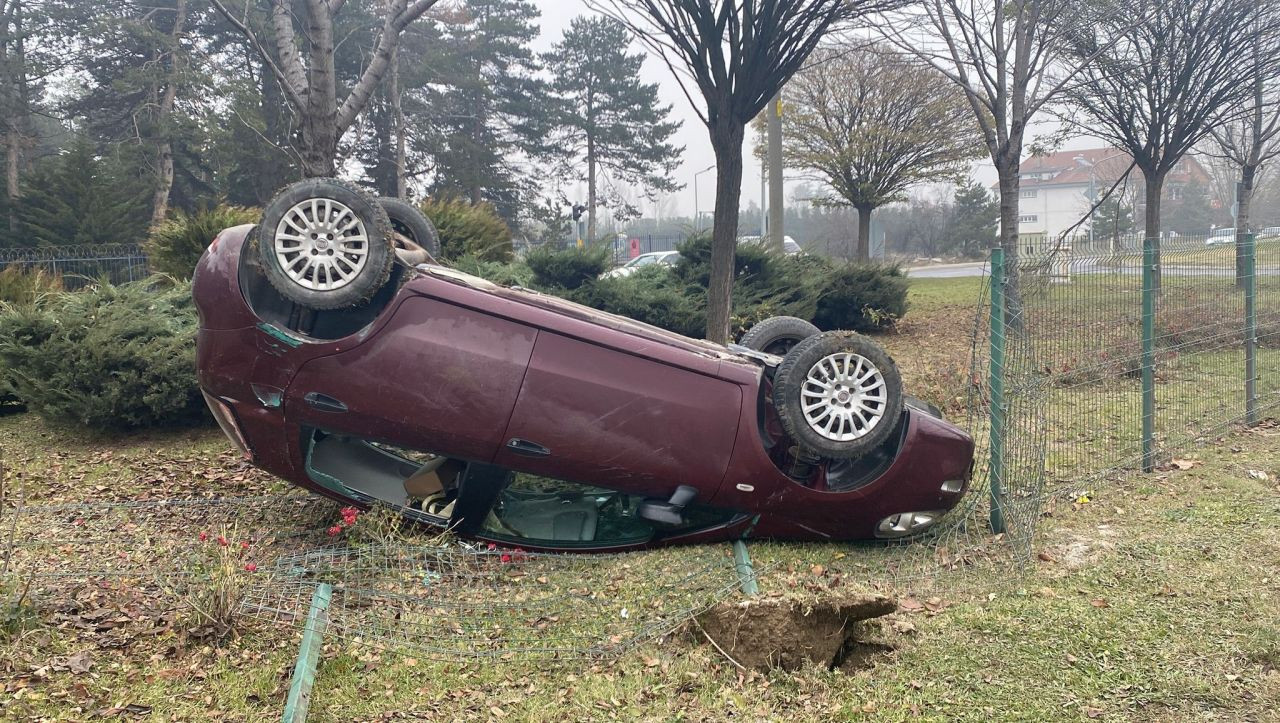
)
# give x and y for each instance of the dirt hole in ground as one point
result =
(779, 632)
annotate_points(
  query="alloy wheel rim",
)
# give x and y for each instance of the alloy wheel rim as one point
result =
(844, 397)
(321, 244)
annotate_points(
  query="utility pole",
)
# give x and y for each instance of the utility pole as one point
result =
(775, 173)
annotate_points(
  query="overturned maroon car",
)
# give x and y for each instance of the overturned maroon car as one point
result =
(338, 355)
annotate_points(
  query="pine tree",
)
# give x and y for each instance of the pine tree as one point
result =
(608, 118)
(494, 111)
(975, 220)
(1113, 219)
(82, 198)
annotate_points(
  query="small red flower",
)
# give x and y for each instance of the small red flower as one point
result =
(492, 546)
(222, 541)
(335, 531)
(505, 557)
(204, 536)
(349, 515)
(244, 544)
(250, 567)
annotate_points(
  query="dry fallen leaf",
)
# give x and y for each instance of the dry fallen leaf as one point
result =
(1258, 474)
(1185, 464)
(1100, 602)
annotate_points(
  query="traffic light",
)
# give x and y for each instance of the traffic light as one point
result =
(578, 210)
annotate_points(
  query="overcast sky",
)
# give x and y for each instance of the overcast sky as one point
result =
(556, 15)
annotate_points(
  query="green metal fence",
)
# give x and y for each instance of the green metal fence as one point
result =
(1137, 351)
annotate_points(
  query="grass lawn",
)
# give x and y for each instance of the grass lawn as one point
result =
(1157, 599)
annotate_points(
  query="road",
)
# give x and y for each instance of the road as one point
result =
(948, 271)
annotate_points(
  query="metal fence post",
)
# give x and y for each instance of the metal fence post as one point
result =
(1250, 329)
(998, 328)
(1148, 354)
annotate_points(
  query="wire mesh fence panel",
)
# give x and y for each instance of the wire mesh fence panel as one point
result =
(78, 266)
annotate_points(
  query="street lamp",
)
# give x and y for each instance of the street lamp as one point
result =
(1093, 191)
(697, 218)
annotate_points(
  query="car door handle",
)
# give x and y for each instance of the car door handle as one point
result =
(525, 448)
(324, 403)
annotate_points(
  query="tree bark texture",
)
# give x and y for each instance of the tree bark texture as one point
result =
(164, 136)
(724, 232)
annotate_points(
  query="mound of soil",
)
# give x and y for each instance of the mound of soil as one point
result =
(779, 632)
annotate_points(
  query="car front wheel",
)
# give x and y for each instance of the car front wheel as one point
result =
(325, 244)
(838, 394)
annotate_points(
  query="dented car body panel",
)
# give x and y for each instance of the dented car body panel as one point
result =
(604, 410)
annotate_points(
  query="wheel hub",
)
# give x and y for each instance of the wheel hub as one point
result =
(844, 397)
(321, 244)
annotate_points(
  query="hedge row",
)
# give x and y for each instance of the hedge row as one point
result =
(123, 357)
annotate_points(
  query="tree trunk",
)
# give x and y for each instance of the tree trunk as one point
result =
(164, 137)
(1151, 229)
(1248, 176)
(15, 114)
(1009, 172)
(863, 251)
(397, 119)
(777, 200)
(13, 151)
(727, 141)
(591, 188)
(320, 122)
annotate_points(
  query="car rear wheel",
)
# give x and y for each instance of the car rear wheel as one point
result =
(325, 244)
(410, 222)
(778, 334)
(838, 394)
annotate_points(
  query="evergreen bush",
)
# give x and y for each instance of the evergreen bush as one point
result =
(175, 246)
(861, 298)
(469, 230)
(22, 287)
(567, 269)
(650, 295)
(109, 357)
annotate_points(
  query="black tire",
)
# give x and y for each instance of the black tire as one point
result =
(778, 334)
(791, 383)
(367, 276)
(409, 220)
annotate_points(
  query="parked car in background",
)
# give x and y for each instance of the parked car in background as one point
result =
(1221, 237)
(789, 245)
(657, 258)
(336, 353)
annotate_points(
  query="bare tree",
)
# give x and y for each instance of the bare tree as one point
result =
(1158, 87)
(1251, 140)
(310, 84)
(1008, 58)
(871, 123)
(736, 55)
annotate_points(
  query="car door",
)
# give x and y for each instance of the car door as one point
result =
(438, 377)
(597, 415)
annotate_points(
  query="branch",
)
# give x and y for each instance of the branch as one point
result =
(294, 96)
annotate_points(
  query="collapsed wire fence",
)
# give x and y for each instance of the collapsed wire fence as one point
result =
(1093, 358)
(77, 266)
(1087, 359)
(435, 599)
